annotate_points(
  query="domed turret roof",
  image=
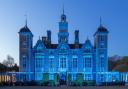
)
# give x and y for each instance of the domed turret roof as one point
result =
(101, 29)
(25, 29)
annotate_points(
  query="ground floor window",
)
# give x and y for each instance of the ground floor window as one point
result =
(87, 77)
(24, 77)
(39, 76)
(73, 77)
(101, 77)
(51, 76)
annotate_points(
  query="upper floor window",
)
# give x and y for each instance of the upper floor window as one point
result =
(24, 59)
(51, 63)
(101, 38)
(24, 65)
(87, 62)
(24, 44)
(102, 60)
(74, 63)
(62, 62)
(39, 60)
(102, 44)
(39, 63)
(24, 38)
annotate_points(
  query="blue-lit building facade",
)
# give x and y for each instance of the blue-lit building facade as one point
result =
(75, 63)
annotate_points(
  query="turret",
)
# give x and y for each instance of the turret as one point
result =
(76, 37)
(101, 46)
(63, 30)
(25, 49)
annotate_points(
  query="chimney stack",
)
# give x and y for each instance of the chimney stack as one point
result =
(76, 37)
(49, 36)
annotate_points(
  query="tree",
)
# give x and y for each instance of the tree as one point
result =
(9, 62)
(5, 63)
(119, 65)
(15, 68)
(3, 68)
(9, 65)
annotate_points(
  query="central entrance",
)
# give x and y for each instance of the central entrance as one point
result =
(63, 78)
(63, 70)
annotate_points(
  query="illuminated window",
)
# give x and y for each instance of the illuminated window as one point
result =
(62, 62)
(51, 63)
(51, 76)
(102, 61)
(24, 61)
(39, 60)
(73, 76)
(24, 65)
(87, 62)
(74, 63)
(87, 77)
(39, 63)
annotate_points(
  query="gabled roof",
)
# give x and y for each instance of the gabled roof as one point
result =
(39, 45)
(63, 46)
(87, 44)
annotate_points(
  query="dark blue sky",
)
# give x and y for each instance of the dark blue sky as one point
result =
(81, 14)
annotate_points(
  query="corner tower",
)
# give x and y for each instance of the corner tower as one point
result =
(63, 29)
(101, 47)
(25, 49)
